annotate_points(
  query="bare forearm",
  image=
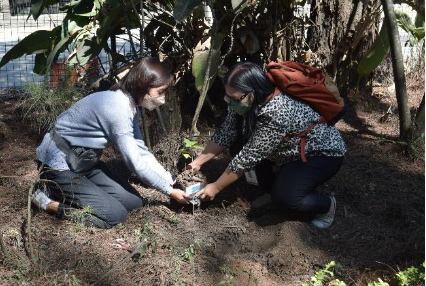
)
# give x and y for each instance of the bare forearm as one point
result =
(227, 178)
(212, 149)
(211, 190)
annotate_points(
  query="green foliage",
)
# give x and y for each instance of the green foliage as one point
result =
(411, 145)
(43, 103)
(148, 238)
(189, 253)
(38, 42)
(229, 277)
(188, 150)
(376, 54)
(381, 48)
(411, 276)
(174, 220)
(324, 275)
(80, 216)
(199, 67)
(415, 32)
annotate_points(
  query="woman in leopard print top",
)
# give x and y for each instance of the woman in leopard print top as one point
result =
(256, 126)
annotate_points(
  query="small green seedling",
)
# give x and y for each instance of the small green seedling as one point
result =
(188, 150)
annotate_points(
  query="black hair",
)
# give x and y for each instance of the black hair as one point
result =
(248, 76)
(146, 73)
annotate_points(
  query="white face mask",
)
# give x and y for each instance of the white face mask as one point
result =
(152, 103)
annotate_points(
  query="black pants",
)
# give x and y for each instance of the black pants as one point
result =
(294, 187)
(98, 197)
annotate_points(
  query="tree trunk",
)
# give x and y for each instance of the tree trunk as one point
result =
(341, 33)
(398, 69)
(419, 121)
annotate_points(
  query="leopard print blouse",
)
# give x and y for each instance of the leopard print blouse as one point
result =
(282, 115)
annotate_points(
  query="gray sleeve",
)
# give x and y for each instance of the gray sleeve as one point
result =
(121, 130)
(227, 133)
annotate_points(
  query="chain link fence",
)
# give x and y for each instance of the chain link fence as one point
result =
(15, 25)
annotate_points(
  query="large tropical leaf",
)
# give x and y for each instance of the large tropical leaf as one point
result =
(419, 21)
(199, 67)
(376, 54)
(184, 7)
(108, 24)
(35, 43)
(40, 63)
(71, 25)
(87, 8)
(416, 32)
(86, 50)
(37, 7)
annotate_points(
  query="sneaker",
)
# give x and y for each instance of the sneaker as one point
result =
(325, 220)
(261, 202)
(40, 198)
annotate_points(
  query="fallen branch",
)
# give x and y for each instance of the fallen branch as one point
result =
(2, 247)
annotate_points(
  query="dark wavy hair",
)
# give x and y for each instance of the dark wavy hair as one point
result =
(247, 76)
(146, 73)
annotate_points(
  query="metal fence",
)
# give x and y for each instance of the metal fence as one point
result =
(16, 25)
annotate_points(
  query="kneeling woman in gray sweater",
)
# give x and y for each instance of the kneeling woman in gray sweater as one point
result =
(70, 152)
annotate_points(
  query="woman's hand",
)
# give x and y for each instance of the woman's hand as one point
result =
(209, 192)
(193, 166)
(180, 196)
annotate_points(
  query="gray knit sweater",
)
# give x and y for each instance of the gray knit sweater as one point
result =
(102, 119)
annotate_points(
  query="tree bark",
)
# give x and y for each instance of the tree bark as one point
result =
(419, 121)
(398, 69)
(337, 39)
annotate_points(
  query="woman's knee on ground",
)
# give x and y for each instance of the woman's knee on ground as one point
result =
(286, 201)
(131, 201)
(115, 215)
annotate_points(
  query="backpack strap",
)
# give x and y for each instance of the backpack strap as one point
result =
(303, 135)
(60, 142)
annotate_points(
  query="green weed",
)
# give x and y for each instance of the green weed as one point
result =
(43, 103)
(411, 276)
(324, 275)
(190, 252)
(147, 238)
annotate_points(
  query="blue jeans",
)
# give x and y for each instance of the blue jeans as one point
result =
(106, 197)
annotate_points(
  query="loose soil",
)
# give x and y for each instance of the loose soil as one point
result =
(378, 229)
